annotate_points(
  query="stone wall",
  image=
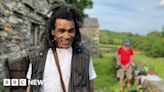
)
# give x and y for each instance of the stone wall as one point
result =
(21, 24)
(90, 34)
(153, 86)
(90, 37)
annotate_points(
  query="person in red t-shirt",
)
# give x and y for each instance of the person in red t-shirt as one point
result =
(124, 58)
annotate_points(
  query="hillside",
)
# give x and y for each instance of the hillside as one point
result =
(151, 44)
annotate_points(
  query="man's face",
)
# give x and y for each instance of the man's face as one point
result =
(64, 32)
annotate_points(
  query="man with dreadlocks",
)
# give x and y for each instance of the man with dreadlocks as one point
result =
(64, 63)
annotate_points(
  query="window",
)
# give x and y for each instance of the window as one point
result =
(34, 34)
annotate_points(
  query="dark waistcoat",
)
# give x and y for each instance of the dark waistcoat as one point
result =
(79, 81)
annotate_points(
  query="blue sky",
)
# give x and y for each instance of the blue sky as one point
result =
(136, 16)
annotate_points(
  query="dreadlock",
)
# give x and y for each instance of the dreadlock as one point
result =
(68, 12)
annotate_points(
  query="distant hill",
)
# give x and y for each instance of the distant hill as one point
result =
(110, 37)
(152, 43)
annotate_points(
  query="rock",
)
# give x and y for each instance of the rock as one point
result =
(8, 28)
(10, 4)
(14, 55)
(14, 41)
(15, 37)
(23, 53)
(20, 8)
(2, 50)
(1, 12)
(41, 6)
(3, 34)
(56, 1)
(29, 3)
(13, 47)
(3, 57)
(153, 86)
(2, 39)
(7, 13)
(15, 20)
(10, 45)
(1, 65)
(2, 21)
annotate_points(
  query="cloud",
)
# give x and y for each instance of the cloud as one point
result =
(162, 3)
(136, 16)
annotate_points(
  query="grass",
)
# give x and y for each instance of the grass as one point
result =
(108, 45)
(106, 76)
(155, 64)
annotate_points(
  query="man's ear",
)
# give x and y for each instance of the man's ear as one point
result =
(53, 32)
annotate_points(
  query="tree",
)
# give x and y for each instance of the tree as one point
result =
(154, 34)
(81, 4)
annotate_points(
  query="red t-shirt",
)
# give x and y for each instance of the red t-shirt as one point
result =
(125, 55)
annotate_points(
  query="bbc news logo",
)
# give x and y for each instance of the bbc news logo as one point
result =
(21, 82)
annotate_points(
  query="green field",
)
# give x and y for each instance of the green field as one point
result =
(106, 76)
(106, 79)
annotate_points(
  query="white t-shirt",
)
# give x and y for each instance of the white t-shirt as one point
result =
(51, 76)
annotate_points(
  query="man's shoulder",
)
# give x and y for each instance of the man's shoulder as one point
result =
(131, 48)
(120, 48)
(40, 52)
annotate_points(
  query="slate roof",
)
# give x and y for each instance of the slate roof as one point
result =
(91, 22)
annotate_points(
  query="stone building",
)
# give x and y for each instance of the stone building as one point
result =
(21, 24)
(90, 34)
